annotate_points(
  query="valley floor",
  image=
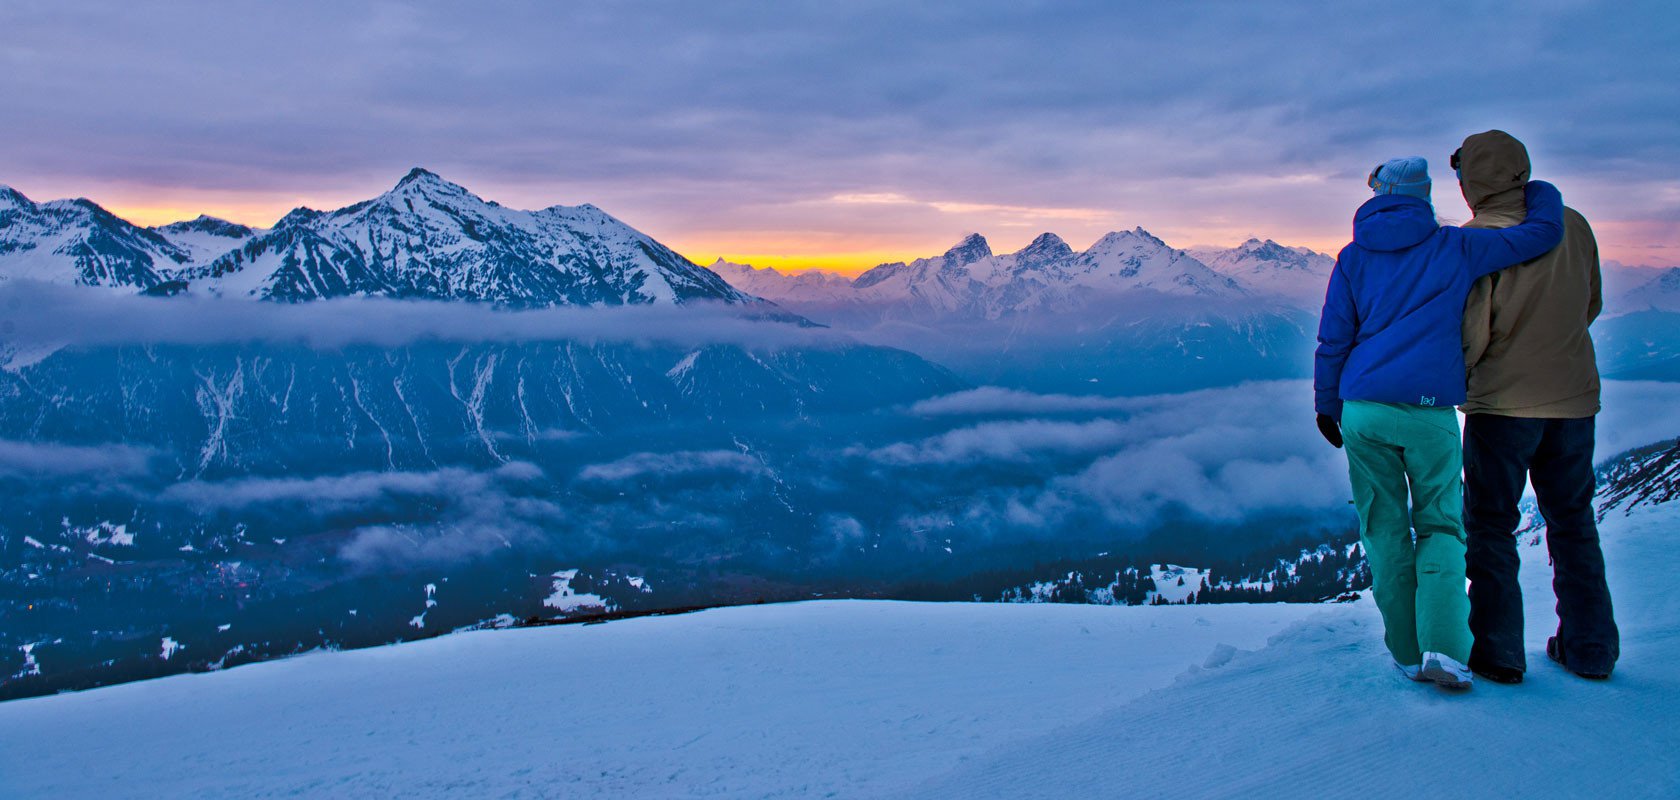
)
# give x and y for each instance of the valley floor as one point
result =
(872, 699)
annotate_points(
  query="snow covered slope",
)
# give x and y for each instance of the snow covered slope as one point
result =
(1317, 713)
(1266, 267)
(206, 238)
(778, 701)
(873, 699)
(1658, 292)
(77, 242)
(430, 238)
(1047, 275)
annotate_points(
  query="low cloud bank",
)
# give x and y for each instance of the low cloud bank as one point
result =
(466, 514)
(39, 459)
(657, 465)
(988, 468)
(1218, 455)
(35, 316)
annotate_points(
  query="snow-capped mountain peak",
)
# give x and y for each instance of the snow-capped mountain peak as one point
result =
(972, 248)
(1266, 267)
(204, 223)
(1136, 259)
(12, 199)
(426, 237)
(1047, 274)
(1048, 247)
(431, 238)
(205, 238)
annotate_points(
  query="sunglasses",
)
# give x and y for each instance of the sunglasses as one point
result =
(1454, 161)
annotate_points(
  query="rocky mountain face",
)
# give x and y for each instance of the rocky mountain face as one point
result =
(1648, 476)
(428, 238)
(237, 408)
(77, 242)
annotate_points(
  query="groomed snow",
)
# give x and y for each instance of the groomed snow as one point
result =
(872, 699)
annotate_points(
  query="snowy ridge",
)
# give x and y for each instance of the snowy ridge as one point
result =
(205, 238)
(808, 286)
(430, 238)
(426, 238)
(969, 280)
(1266, 267)
(77, 242)
(1046, 275)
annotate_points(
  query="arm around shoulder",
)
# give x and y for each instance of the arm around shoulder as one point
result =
(1487, 251)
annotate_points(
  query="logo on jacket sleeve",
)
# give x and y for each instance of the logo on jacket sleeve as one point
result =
(1426, 401)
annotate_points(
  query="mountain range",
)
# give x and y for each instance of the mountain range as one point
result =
(426, 238)
(970, 281)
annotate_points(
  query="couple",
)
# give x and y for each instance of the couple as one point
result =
(1492, 316)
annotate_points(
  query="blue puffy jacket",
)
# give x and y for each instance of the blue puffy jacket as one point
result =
(1394, 311)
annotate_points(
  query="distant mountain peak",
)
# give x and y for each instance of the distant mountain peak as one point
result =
(204, 223)
(299, 216)
(13, 198)
(1132, 238)
(418, 174)
(972, 248)
(1047, 247)
(1140, 233)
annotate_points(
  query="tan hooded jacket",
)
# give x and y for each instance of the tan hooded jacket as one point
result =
(1526, 344)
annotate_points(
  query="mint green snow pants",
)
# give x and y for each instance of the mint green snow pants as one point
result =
(1394, 450)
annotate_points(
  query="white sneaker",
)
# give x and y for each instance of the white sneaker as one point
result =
(1445, 671)
(1411, 672)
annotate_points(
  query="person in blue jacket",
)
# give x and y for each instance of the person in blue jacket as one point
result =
(1388, 373)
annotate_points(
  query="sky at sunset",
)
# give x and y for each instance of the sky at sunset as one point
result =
(844, 134)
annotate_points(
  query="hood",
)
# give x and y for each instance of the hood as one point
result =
(1391, 222)
(1490, 164)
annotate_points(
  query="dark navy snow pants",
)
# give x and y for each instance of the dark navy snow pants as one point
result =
(1556, 455)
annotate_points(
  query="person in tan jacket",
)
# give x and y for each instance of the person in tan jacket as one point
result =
(1532, 401)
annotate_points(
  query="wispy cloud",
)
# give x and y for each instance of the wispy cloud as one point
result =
(44, 315)
(430, 517)
(47, 459)
(658, 465)
(996, 212)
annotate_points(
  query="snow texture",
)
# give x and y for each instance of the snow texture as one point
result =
(884, 699)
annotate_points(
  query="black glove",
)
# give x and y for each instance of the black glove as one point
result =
(1332, 432)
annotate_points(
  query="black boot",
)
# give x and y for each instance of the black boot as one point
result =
(1496, 673)
(1590, 671)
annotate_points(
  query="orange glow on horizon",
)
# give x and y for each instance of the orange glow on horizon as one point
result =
(838, 249)
(850, 264)
(256, 216)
